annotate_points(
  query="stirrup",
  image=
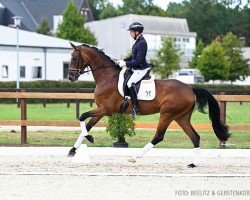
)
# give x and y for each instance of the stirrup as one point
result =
(124, 106)
(134, 111)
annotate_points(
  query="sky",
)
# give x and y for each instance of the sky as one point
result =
(161, 3)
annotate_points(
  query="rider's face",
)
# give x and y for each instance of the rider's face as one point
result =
(132, 34)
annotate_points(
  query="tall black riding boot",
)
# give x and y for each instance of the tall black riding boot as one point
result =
(133, 96)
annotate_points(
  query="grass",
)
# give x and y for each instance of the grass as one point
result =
(237, 114)
(173, 139)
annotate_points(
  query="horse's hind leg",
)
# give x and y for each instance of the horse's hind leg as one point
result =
(159, 136)
(185, 124)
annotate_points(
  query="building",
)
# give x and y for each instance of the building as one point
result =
(246, 55)
(112, 34)
(34, 11)
(41, 57)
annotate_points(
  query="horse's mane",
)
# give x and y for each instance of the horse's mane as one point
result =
(100, 52)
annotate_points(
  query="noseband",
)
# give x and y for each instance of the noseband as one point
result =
(78, 67)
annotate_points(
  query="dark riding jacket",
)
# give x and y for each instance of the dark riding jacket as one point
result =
(138, 58)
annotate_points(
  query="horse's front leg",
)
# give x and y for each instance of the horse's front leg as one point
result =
(96, 115)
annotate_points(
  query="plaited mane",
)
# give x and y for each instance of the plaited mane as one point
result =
(100, 52)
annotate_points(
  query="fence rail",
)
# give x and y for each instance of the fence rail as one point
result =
(222, 98)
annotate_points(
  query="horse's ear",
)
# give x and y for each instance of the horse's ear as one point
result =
(74, 47)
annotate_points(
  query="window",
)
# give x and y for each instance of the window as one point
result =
(22, 71)
(65, 70)
(5, 71)
(37, 72)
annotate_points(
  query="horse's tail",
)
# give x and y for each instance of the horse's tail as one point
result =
(204, 97)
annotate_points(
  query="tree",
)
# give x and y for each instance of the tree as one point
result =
(72, 27)
(168, 58)
(120, 126)
(135, 7)
(197, 54)
(100, 7)
(233, 51)
(154, 10)
(213, 64)
(241, 23)
(43, 27)
(108, 11)
(103, 9)
(207, 18)
(211, 18)
(141, 7)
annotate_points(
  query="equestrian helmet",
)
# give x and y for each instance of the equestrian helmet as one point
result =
(136, 26)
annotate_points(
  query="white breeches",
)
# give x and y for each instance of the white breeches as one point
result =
(137, 76)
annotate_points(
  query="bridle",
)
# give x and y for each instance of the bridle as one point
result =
(78, 67)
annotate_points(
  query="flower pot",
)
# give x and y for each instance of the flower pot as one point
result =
(120, 144)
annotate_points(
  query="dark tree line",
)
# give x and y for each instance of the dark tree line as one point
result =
(209, 18)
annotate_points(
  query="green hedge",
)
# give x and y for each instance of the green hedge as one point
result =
(91, 84)
(227, 88)
(221, 86)
(49, 84)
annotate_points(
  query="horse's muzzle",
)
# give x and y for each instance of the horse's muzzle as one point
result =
(70, 79)
(73, 77)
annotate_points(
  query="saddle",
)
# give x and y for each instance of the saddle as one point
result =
(145, 88)
(128, 73)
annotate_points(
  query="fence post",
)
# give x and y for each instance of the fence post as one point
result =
(23, 117)
(223, 108)
(44, 103)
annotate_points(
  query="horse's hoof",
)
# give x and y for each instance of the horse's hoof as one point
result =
(192, 165)
(90, 138)
(132, 160)
(72, 152)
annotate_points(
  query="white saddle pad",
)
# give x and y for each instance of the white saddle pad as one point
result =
(147, 88)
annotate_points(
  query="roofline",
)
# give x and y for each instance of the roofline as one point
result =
(131, 15)
(35, 47)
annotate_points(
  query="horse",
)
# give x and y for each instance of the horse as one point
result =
(175, 101)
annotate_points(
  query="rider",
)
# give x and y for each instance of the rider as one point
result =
(137, 62)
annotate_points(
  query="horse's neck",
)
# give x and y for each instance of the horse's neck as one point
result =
(104, 72)
(105, 75)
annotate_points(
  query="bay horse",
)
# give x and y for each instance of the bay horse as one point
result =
(175, 101)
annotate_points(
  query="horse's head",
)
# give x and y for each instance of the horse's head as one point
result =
(78, 63)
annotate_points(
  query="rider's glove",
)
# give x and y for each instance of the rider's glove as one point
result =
(121, 63)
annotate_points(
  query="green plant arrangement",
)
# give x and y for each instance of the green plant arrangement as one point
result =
(120, 126)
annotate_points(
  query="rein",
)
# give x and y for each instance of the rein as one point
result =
(83, 72)
(78, 69)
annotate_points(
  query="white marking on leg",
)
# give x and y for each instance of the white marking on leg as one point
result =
(82, 135)
(143, 151)
(83, 128)
(196, 156)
